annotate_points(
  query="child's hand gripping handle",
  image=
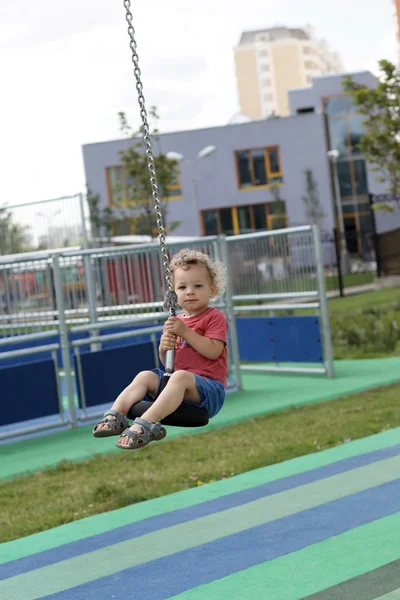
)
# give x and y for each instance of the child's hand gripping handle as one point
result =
(169, 358)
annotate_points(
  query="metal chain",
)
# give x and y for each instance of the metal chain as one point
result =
(171, 301)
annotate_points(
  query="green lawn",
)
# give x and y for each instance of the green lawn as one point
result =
(72, 491)
(365, 300)
(353, 280)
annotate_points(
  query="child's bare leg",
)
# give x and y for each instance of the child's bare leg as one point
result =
(144, 382)
(181, 386)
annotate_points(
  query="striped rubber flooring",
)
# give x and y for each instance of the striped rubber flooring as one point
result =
(320, 527)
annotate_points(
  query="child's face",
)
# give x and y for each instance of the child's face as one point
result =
(193, 288)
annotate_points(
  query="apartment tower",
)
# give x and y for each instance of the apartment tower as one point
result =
(269, 62)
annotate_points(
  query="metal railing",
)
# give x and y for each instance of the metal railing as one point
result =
(291, 265)
(89, 290)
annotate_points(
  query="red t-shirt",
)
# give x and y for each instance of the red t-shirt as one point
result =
(212, 324)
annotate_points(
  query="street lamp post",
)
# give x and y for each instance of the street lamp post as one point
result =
(204, 153)
(333, 156)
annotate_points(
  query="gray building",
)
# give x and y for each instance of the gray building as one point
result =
(240, 186)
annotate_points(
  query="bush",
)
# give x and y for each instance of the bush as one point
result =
(373, 330)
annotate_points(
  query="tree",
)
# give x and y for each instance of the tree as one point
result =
(380, 143)
(101, 220)
(277, 208)
(136, 200)
(14, 238)
(312, 204)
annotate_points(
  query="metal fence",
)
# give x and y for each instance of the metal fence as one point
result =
(278, 271)
(44, 225)
(99, 285)
(71, 292)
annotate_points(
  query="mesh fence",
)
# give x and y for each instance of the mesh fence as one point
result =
(44, 225)
(274, 263)
(100, 285)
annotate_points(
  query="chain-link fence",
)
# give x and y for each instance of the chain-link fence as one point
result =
(44, 225)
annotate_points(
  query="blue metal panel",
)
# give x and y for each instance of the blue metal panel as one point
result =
(279, 339)
(30, 358)
(140, 339)
(106, 373)
(28, 392)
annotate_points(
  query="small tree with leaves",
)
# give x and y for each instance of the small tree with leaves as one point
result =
(314, 211)
(277, 208)
(14, 238)
(101, 220)
(136, 197)
(380, 143)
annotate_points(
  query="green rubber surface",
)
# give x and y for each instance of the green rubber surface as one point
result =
(362, 563)
(262, 394)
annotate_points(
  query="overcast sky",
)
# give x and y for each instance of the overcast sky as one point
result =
(65, 71)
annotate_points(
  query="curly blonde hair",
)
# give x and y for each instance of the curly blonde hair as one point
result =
(216, 269)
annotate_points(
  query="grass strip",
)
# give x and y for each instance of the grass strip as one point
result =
(71, 491)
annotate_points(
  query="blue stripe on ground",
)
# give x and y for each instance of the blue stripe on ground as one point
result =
(182, 571)
(176, 517)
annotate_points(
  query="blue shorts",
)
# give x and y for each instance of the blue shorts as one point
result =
(211, 392)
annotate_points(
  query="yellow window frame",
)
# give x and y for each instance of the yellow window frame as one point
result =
(269, 218)
(124, 191)
(270, 174)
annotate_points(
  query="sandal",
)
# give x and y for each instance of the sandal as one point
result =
(115, 426)
(150, 433)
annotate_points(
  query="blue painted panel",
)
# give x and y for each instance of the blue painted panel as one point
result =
(106, 373)
(30, 358)
(28, 392)
(280, 339)
(140, 339)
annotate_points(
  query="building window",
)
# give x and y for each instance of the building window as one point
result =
(360, 177)
(334, 105)
(259, 167)
(211, 222)
(263, 52)
(355, 125)
(310, 65)
(226, 221)
(245, 219)
(121, 187)
(344, 130)
(265, 68)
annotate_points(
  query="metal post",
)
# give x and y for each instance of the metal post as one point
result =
(153, 338)
(344, 255)
(59, 394)
(81, 386)
(91, 296)
(7, 297)
(338, 263)
(195, 198)
(223, 255)
(326, 330)
(64, 342)
(375, 238)
(85, 239)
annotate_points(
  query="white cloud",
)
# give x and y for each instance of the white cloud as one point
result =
(66, 72)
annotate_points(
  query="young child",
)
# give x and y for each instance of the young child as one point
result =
(199, 337)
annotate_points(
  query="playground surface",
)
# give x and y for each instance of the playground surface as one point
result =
(262, 394)
(319, 527)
